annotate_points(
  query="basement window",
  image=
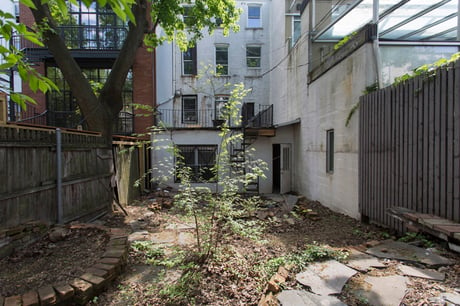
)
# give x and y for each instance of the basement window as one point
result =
(200, 160)
(330, 151)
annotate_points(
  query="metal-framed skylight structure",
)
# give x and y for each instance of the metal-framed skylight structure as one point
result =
(398, 20)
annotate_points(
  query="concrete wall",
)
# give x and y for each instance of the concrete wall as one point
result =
(322, 105)
(329, 100)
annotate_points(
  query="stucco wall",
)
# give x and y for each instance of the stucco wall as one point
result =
(328, 102)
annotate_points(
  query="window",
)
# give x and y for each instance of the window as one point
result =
(253, 56)
(222, 60)
(188, 16)
(330, 151)
(254, 18)
(189, 61)
(62, 106)
(93, 27)
(201, 160)
(295, 29)
(189, 109)
(220, 102)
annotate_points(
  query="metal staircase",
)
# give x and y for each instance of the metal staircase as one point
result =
(254, 125)
(238, 161)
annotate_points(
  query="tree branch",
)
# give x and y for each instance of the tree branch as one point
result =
(80, 86)
(112, 91)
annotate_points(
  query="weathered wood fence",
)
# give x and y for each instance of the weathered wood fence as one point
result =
(410, 148)
(28, 175)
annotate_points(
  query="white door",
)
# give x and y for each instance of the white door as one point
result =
(286, 166)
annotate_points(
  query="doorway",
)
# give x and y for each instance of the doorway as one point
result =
(282, 165)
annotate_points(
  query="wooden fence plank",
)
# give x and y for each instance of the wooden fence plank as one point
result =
(420, 143)
(408, 114)
(437, 144)
(410, 148)
(443, 117)
(456, 145)
(29, 189)
(450, 87)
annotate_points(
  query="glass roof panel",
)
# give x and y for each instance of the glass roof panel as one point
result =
(434, 23)
(414, 20)
(352, 21)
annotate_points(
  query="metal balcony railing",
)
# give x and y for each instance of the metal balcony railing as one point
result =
(257, 116)
(67, 119)
(83, 37)
(93, 37)
(176, 118)
(29, 116)
(253, 116)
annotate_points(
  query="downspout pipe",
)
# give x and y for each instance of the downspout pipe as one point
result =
(59, 176)
(376, 44)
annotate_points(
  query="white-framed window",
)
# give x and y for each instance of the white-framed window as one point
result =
(200, 159)
(222, 59)
(253, 56)
(330, 151)
(189, 109)
(189, 62)
(254, 16)
(296, 29)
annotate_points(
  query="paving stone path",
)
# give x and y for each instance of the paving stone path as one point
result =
(326, 279)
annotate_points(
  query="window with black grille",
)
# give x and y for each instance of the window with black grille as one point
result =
(200, 160)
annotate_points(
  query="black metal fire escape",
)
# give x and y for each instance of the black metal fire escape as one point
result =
(254, 124)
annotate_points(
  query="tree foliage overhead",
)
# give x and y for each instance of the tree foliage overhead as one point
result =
(12, 57)
(145, 18)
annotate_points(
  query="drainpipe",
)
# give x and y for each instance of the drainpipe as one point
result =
(59, 176)
(375, 44)
(311, 33)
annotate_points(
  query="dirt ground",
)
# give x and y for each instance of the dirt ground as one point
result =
(233, 278)
(48, 262)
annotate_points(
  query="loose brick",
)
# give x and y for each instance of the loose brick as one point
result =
(268, 300)
(272, 286)
(30, 299)
(14, 300)
(118, 241)
(99, 272)
(118, 232)
(83, 290)
(283, 272)
(64, 292)
(115, 253)
(117, 262)
(97, 281)
(47, 295)
(15, 230)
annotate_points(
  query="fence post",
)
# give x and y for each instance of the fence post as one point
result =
(59, 175)
(3, 109)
